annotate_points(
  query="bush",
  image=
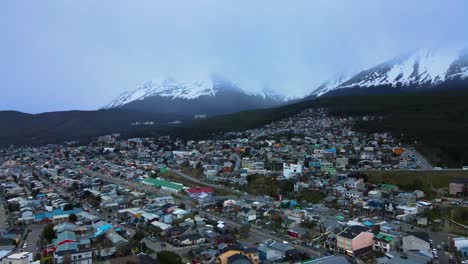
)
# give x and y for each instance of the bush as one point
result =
(169, 257)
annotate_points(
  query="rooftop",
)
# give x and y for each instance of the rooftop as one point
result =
(164, 183)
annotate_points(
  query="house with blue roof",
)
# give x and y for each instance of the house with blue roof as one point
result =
(48, 216)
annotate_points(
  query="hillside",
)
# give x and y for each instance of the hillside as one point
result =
(189, 98)
(437, 121)
(55, 127)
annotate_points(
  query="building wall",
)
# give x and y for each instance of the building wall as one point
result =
(289, 169)
(344, 243)
(414, 243)
(363, 240)
(455, 188)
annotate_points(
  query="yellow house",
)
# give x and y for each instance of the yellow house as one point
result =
(235, 254)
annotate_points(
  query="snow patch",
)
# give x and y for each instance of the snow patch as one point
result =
(166, 88)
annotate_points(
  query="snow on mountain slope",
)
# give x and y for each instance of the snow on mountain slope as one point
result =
(426, 67)
(166, 88)
(423, 69)
(330, 85)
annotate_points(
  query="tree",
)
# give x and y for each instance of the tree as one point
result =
(139, 235)
(169, 257)
(72, 218)
(48, 233)
(68, 207)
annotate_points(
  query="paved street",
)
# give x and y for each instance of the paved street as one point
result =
(424, 163)
(438, 238)
(261, 234)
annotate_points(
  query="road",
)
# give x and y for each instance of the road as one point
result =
(438, 238)
(264, 234)
(261, 234)
(33, 238)
(424, 163)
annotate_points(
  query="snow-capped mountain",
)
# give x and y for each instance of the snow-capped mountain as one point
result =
(165, 88)
(189, 98)
(330, 85)
(422, 70)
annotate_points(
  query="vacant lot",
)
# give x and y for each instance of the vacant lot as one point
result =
(427, 181)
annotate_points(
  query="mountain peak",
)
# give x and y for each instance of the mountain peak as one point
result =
(166, 87)
(422, 69)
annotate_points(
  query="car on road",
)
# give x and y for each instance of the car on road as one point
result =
(438, 247)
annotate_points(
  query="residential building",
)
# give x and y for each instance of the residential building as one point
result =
(416, 241)
(458, 187)
(291, 170)
(18, 258)
(354, 241)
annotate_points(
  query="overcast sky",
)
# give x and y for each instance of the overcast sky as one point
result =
(61, 55)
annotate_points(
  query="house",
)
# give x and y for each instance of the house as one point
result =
(205, 200)
(355, 240)
(164, 185)
(297, 232)
(419, 194)
(238, 259)
(389, 187)
(269, 254)
(341, 163)
(375, 194)
(248, 214)
(461, 245)
(180, 213)
(406, 198)
(188, 240)
(354, 195)
(232, 254)
(67, 245)
(298, 186)
(281, 247)
(383, 243)
(18, 258)
(354, 184)
(416, 241)
(458, 187)
(195, 192)
(251, 164)
(291, 170)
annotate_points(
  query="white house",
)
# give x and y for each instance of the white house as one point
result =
(291, 170)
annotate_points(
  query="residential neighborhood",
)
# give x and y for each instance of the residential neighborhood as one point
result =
(293, 191)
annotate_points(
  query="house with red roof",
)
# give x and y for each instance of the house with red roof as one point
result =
(197, 191)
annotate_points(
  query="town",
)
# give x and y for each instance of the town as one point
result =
(297, 190)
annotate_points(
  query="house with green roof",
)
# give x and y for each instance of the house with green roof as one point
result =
(165, 185)
(383, 243)
(389, 187)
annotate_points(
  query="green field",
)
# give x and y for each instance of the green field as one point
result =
(427, 181)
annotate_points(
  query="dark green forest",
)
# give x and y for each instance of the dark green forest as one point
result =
(436, 121)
